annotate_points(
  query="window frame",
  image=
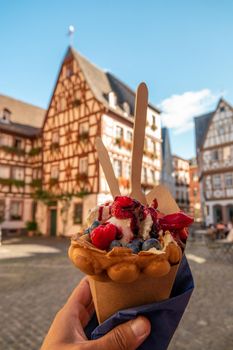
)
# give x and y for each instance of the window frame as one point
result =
(78, 219)
(20, 216)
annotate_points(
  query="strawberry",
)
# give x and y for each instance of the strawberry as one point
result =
(103, 235)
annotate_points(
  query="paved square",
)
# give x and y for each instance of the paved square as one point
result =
(36, 278)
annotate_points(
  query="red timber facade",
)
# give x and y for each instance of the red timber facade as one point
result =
(86, 102)
(214, 146)
(194, 191)
(20, 161)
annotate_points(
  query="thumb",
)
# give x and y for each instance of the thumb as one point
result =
(127, 336)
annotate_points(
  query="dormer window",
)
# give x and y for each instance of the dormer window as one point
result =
(126, 108)
(112, 99)
(6, 114)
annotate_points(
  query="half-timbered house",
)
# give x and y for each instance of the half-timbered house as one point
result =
(20, 161)
(89, 102)
(182, 180)
(214, 146)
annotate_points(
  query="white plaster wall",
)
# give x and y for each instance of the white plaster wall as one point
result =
(42, 217)
(89, 202)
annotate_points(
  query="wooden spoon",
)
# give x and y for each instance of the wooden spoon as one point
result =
(107, 167)
(138, 142)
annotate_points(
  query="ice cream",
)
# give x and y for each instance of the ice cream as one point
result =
(132, 245)
(127, 223)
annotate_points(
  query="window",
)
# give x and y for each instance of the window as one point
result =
(119, 132)
(152, 172)
(4, 172)
(18, 173)
(129, 136)
(222, 109)
(54, 172)
(83, 128)
(16, 210)
(55, 136)
(217, 182)
(37, 173)
(229, 180)
(117, 164)
(153, 119)
(2, 210)
(18, 143)
(215, 155)
(78, 213)
(144, 175)
(83, 165)
(153, 147)
(194, 192)
(227, 153)
(153, 126)
(127, 170)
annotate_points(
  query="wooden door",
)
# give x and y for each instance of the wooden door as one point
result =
(53, 222)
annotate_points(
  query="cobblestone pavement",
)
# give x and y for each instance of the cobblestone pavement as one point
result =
(35, 285)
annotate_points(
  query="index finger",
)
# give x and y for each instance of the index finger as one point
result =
(81, 294)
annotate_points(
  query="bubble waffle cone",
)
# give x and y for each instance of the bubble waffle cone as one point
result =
(119, 278)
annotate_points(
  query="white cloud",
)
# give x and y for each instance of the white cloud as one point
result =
(178, 110)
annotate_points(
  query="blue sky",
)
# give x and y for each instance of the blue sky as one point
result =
(182, 49)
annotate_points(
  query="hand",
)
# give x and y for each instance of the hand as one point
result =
(67, 329)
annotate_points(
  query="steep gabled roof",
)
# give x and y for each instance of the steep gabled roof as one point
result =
(22, 112)
(201, 126)
(202, 123)
(102, 83)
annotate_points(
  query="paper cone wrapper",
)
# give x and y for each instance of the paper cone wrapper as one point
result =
(110, 297)
(147, 278)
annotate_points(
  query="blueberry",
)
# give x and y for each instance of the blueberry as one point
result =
(115, 243)
(138, 242)
(151, 243)
(88, 230)
(154, 232)
(95, 224)
(135, 248)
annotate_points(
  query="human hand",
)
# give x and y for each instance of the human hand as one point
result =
(67, 329)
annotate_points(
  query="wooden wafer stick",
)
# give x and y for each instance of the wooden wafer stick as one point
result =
(107, 167)
(166, 203)
(138, 142)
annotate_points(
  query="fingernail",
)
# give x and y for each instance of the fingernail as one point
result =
(139, 327)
